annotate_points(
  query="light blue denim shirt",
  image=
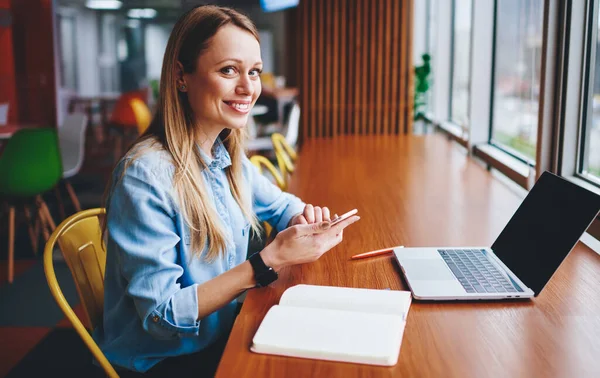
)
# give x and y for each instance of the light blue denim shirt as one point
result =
(150, 296)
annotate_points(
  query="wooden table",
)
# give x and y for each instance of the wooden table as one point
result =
(424, 191)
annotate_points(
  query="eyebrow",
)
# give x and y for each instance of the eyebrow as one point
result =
(237, 61)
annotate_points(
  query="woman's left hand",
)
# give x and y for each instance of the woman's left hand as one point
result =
(311, 214)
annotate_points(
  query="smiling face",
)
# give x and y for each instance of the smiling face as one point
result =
(226, 83)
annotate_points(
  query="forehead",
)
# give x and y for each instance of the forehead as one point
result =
(231, 42)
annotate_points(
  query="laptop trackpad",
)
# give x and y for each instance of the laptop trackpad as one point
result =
(427, 269)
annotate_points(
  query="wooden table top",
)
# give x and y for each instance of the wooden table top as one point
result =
(424, 191)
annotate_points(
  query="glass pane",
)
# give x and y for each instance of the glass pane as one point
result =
(517, 75)
(591, 141)
(461, 65)
(431, 41)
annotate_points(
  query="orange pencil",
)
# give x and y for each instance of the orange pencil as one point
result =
(374, 253)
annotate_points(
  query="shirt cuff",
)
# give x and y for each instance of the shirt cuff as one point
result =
(294, 208)
(177, 317)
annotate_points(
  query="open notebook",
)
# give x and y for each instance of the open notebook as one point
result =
(335, 323)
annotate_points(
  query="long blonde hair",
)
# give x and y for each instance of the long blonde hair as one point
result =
(173, 130)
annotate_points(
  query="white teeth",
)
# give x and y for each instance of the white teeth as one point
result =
(239, 106)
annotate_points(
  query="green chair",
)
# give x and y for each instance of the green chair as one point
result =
(29, 166)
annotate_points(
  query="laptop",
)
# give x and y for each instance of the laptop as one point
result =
(528, 251)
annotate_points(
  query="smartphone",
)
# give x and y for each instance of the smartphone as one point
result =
(343, 216)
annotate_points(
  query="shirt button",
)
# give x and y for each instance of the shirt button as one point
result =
(155, 318)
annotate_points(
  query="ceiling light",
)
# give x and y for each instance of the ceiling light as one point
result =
(103, 4)
(141, 13)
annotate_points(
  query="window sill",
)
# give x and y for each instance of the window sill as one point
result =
(454, 132)
(510, 166)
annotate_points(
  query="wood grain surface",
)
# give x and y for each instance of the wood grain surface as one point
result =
(424, 191)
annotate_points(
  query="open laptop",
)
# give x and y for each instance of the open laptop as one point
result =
(538, 237)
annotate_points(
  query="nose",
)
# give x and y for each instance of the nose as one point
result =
(244, 86)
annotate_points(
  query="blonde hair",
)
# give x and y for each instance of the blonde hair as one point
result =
(173, 130)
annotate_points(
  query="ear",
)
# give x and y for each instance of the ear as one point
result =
(180, 80)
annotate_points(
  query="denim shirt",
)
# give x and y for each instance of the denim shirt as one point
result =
(151, 277)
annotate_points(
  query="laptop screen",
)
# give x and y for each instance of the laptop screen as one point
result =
(545, 228)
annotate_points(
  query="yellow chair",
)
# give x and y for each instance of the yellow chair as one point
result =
(286, 156)
(259, 162)
(142, 114)
(80, 240)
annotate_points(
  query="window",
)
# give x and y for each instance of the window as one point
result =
(590, 141)
(516, 76)
(461, 62)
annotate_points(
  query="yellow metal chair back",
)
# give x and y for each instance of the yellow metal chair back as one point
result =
(285, 154)
(80, 240)
(142, 114)
(261, 161)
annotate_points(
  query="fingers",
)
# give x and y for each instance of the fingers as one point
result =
(339, 227)
(309, 213)
(326, 214)
(312, 228)
(301, 220)
(318, 214)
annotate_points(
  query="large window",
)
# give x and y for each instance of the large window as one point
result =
(590, 142)
(516, 85)
(461, 62)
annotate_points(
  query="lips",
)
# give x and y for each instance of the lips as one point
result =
(242, 107)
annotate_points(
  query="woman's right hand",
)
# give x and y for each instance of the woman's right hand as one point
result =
(304, 243)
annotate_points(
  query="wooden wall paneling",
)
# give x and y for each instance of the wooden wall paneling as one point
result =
(402, 80)
(387, 65)
(335, 84)
(342, 99)
(356, 68)
(380, 56)
(357, 79)
(329, 53)
(366, 5)
(409, 69)
(396, 9)
(313, 67)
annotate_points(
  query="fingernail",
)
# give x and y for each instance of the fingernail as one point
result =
(325, 225)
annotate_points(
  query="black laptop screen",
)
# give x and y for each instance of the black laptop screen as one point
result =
(545, 228)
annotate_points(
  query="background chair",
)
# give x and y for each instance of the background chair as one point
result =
(290, 130)
(260, 162)
(130, 117)
(80, 240)
(71, 138)
(30, 166)
(3, 114)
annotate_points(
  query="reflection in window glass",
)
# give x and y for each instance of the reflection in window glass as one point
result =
(461, 63)
(591, 141)
(431, 41)
(517, 75)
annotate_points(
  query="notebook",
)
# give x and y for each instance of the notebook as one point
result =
(335, 323)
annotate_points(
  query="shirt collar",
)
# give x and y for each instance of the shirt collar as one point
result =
(221, 158)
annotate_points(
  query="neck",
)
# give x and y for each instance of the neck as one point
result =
(207, 137)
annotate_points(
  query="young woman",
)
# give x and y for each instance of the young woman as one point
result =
(182, 202)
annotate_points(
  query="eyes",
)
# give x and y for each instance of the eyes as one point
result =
(232, 71)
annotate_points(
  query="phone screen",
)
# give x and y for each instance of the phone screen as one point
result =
(343, 216)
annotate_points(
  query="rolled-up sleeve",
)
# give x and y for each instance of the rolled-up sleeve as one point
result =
(270, 203)
(144, 236)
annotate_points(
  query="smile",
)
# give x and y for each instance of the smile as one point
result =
(240, 107)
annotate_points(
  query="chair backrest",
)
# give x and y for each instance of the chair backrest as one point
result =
(80, 240)
(123, 114)
(260, 162)
(31, 163)
(285, 155)
(71, 137)
(293, 125)
(4, 113)
(142, 114)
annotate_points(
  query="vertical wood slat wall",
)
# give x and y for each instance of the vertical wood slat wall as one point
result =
(355, 67)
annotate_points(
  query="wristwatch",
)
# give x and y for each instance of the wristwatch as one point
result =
(263, 274)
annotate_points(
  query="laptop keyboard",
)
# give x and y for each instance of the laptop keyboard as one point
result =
(475, 272)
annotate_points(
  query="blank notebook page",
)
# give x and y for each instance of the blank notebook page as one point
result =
(326, 334)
